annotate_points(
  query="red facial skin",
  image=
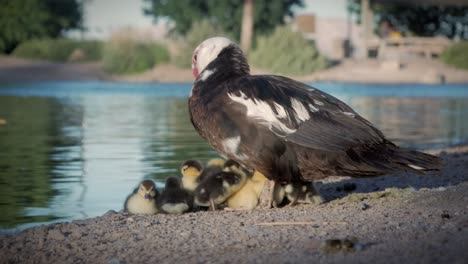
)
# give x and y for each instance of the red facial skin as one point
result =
(194, 64)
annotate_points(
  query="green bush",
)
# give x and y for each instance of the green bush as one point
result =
(125, 55)
(59, 50)
(200, 31)
(456, 55)
(287, 52)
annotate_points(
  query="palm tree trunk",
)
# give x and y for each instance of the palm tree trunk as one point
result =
(247, 26)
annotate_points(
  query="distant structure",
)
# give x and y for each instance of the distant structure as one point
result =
(338, 38)
(332, 35)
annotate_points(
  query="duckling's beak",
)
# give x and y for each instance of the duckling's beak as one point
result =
(147, 196)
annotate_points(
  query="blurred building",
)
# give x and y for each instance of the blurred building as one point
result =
(337, 35)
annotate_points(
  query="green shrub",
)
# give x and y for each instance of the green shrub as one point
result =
(200, 31)
(287, 52)
(456, 55)
(59, 50)
(125, 55)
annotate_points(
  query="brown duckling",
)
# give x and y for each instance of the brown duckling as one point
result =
(143, 199)
(214, 189)
(174, 199)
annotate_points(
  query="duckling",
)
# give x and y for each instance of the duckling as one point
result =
(174, 199)
(214, 189)
(213, 166)
(191, 171)
(143, 199)
(247, 198)
(302, 192)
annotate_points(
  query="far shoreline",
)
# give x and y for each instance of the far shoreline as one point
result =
(415, 71)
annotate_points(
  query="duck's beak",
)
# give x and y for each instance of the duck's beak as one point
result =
(147, 196)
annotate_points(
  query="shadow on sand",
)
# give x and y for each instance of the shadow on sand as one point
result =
(453, 173)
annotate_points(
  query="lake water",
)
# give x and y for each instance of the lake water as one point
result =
(73, 150)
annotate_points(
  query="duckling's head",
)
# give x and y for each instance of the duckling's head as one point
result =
(216, 162)
(147, 189)
(172, 183)
(191, 169)
(234, 167)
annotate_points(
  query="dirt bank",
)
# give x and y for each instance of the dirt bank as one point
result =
(395, 219)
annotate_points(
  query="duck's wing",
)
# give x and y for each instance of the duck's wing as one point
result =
(297, 113)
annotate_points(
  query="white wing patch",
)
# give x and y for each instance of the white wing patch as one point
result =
(264, 114)
(415, 167)
(317, 102)
(301, 112)
(312, 108)
(231, 144)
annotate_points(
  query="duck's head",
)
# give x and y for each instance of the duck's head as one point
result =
(147, 189)
(212, 48)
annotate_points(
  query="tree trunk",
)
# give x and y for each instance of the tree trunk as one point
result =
(247, 26)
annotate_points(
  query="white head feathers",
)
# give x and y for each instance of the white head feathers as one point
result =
(207, 51)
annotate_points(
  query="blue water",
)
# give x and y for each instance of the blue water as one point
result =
(72, 150)
(71, 89)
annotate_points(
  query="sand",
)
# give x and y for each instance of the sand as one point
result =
(399, 218)
(363, 71)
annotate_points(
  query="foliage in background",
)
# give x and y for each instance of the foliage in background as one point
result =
(126, 55)
(226, 14)
(185, 45)
(60, 50)
(287, 52)
(457, 55)
(419, 20)
(22, 20)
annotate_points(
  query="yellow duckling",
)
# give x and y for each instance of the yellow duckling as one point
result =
(247, 198)
(191, 171)
(143, 199)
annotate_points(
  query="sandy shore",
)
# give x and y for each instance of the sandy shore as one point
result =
(395, 219)
(362, 71)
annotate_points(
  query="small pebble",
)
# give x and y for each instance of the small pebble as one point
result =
(364, 206)
(445, 215)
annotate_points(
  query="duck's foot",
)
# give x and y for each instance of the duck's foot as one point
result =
(212, 205)
(292, 203)
(266, 198)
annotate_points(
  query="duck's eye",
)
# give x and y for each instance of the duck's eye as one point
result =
(195, 57)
